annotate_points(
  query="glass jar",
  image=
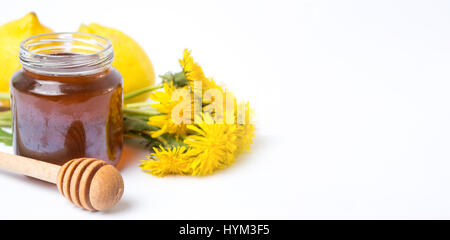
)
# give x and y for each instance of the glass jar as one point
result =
(66, 100)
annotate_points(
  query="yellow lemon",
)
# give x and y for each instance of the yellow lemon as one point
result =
(11, 34)
(129, 58)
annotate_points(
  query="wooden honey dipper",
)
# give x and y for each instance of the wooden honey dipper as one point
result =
(89, 183)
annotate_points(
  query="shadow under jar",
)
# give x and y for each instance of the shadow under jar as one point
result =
(66, 101)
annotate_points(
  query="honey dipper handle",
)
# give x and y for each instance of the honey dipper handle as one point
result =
(30, 167)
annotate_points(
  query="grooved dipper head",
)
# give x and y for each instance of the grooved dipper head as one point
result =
(90, 183)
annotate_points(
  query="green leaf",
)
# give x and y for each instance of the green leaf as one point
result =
(172, 141)
(136, 124)
(141, 142)
(178, 79)
(5, 137)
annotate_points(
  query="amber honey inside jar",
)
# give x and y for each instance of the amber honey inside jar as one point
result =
(66, 100)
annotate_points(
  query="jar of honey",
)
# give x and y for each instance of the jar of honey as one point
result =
(66, 101)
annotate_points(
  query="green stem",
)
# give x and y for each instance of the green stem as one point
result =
(138, 105)
(5, 137)
(5, 124)
(5, 114)
(141, 91)
(4, 96)
(148, 113)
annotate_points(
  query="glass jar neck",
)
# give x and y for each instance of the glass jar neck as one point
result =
(66, 54)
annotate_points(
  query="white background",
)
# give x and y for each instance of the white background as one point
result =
(351, 101)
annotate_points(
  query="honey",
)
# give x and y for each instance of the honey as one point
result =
(66, 100)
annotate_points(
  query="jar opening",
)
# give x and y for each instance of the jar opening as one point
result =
(66, 54)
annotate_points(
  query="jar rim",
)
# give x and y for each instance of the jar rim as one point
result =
(109, 44)
(54, 54)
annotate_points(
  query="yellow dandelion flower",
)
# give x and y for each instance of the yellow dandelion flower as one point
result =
(165, 106)
(194, 72)
(230, 112)
(245, 134)
(164, 162)
(228, 109)
(213, 146)
(245, 127)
